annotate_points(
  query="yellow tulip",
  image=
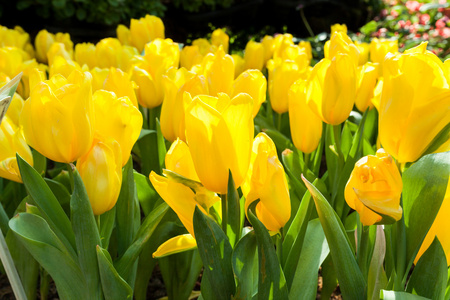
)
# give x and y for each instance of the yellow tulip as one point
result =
(239, 64)
(57, 118)
(306, 126)
(179, 160)
(415, 103)
(58, 49)
(364, 49)
(117, 118)
(340, 43)
(123, 34)
(266, 181)
(282, 74)
(63, 66)
(145, 30)
(253, 83)
(177, 244)
(101, 171)
(121, 84)
(331, 89)
(15, 108)
(85, 55)
(308, 49)
(98, 78)
(220, 38)
(12, 142)
(204, 46)
(339, 28)
(269, 46)
(42, 43)
(374, 189)
(380, 47)
(367, 80)
(190, 56)
(254, 56)
(439, 228)
(107, 52)
(16, 37)
(219, 133)
(282, 41)
(176, 83)
(218, 69)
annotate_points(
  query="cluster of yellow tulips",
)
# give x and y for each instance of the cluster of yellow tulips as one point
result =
(88, 104)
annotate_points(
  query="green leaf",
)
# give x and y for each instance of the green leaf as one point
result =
(61, 193)
(245, 266)
(114, 287)
(107, 223)
(86, 236)
(369, 28)
(125, 264)
(145, 132)
(293, 164)
(48, 204)
(279, 139)
(304, 285)
(215, 252)
(271, 281)
(429, 278)
(161, 145)
(7, 93)
(424, 185)
(377, 279)
(350, 278)
(147, 196)
(39, 162)
(393, 295)
(51, 253)
(234, 224)
(442, 137)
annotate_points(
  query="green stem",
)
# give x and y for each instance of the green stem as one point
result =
(151, 118)
(302, 15)
(97, 220)
(279, 246)
(400, 264)
(279, 122)
(45, 284)
(337, 139)
(307, 158)
(70, 168)
(363, 248)
(223, 197)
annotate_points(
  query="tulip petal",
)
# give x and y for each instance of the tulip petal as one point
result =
(176, 244)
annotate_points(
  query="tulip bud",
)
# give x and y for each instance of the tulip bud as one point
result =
(340, 43)
(306, 126)
(380, 47)
(269, 46)
(190, 56)
(254, 56)
(85, 54)
(57, 118)
(253, 83)
(218, 69)
(117, 118)
(338, 28)
(363, 49)
(374, 189)
(120, 83)
(367, 79)
(266, 181)
(101, 171)
(145, 30)
(42, 43)
(219, 133)
(12, 142)
(63, 66)
(220, 38)
(123, 34)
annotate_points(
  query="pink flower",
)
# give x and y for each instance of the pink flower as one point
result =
(394, 13)
(442, 22)
(413, 5)
(424, 19)
(445, 32)
(425, 36)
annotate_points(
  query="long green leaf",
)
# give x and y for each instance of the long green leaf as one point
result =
(86, 236)
(36, 235)
(271, 281)
(161, 145)
(147, 195)
(424, 185)
(377, 279)
(350, 278)
(245, 266)
(233, 212)
(304, 285)
(429, 278)
(393, 295)
(215, 252)
(48, 204)
(114, 287)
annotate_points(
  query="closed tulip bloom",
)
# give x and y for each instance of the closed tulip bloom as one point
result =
(380, 47)
(12, 142)
(120, 83)
(204, 46)
(117, 118)
(98, 78)
(331, 89)
(269, 46)
(63, 66)
(439, 229)
(176, 84)
(42, 43)
(266, 181)
(374, 189)
(364, 49)
(85, 55)
(339, 28)
(16, 37)
(145, 30)
(58, 49)
(106, 53)
(239, 64)
(179, 160)
(190, 56)
(146, 88)
(282, 74)
(254, 55)
(306, 126)
(367, 80)
(218, 69)
(123, 34)
(219, 132)
(415, 103)
(282, 41)
(340, 43)
(57, 119)
(253, 83)
(220, 38)
(101, 171)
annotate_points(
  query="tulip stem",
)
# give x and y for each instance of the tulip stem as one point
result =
(337, 139)
(279, 122)
(151, 118)
(307, 158)
(279, 246)
(223, 197)
(400, 237)
(70, 167)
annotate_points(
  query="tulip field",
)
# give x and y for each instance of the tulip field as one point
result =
(243, 174)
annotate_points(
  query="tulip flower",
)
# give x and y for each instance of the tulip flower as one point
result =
(98, 78)
(254, 56)
(106, 53)
(145, 30)
(439, 228)
(340, 43)
(339, 28)
(239, 64)
(117, 118)
(204, 46)
(123, 34)
(63, 66)
(253, 83)
(331, 88)
(281, 41)
(16, 37)
(282, 74)
(219, 133)
(374, 189)
(266, 181)
(307, 46)
(367, 79)
(12, 142)
(269, 46)
(57, 118)
(190, 56)
(179, 88)
(85, 55)
(380, 47)
(415, 103)
(101, 171)
(364, 49)
(306, 126)
(220, 38)
(42, 43)
(120, 83)
(179, 160)
(218, 69)
(58, 49)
